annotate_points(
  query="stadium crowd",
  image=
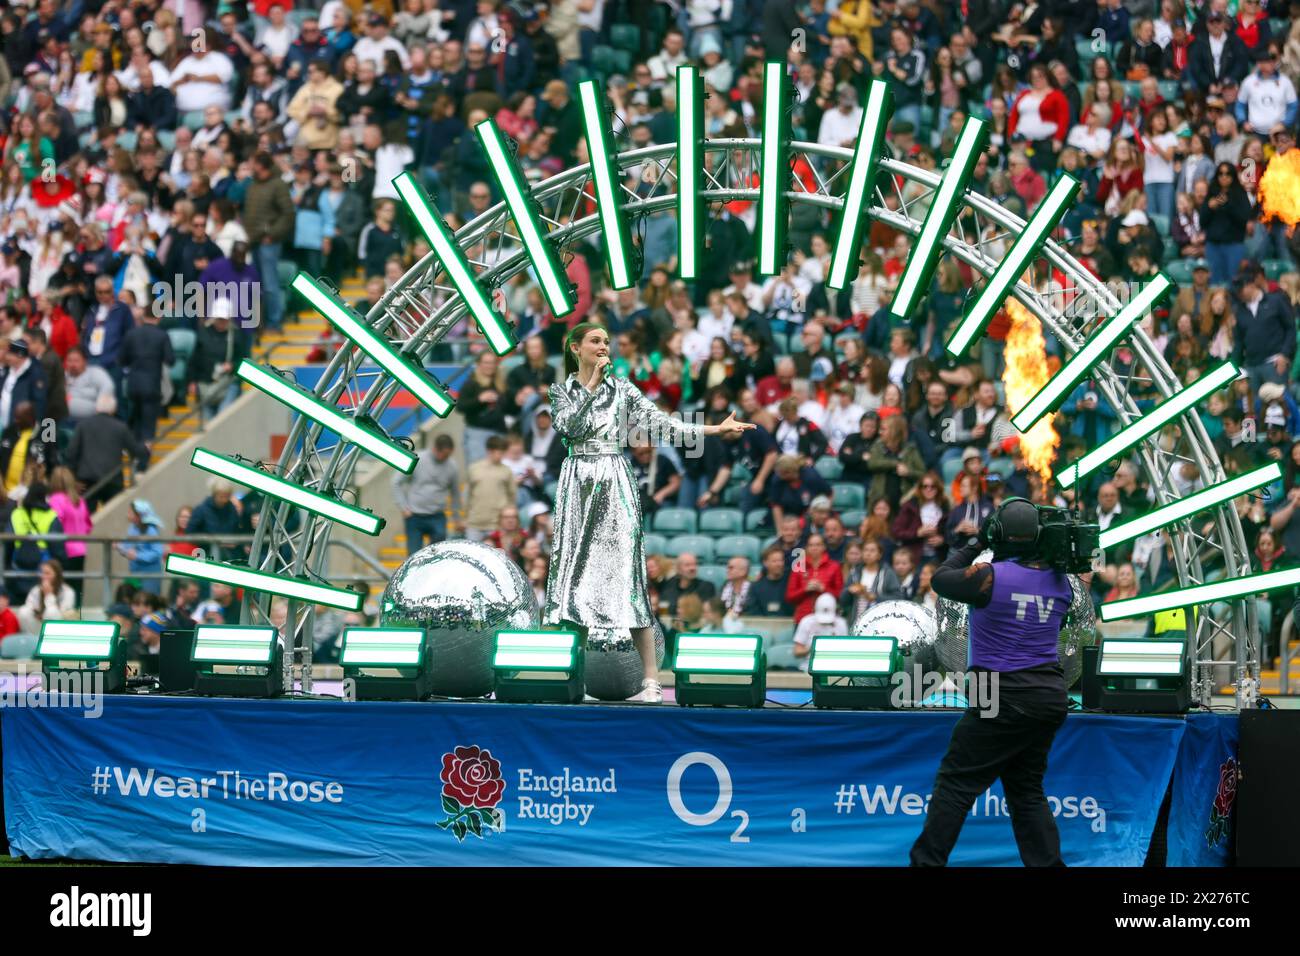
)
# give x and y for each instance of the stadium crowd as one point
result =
(152, 148)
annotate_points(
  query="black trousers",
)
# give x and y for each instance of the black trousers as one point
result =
(1014, 746)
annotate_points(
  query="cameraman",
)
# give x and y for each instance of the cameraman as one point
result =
(1018, 604)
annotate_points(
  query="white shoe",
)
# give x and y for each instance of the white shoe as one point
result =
(652, 692)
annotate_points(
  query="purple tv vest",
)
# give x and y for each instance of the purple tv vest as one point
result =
(1020, 627)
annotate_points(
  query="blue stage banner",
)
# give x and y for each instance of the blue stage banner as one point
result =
(188, 780)
(1204, 791)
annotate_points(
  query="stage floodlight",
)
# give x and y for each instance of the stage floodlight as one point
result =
(327, 506)
(284, 585)
(1014, 263)
(854, 672)
(1186, 507)
(405, 370)
(1094, 350)
(870, 148)
(774, 178)
(538, 667)
(1225, 590)
(690, 172)
(1143, 675)
(496, 331)
(80, 657)
(327, 416)
(720, 670)
(1173, 406)
(386, 663)
(945, 204)
(519, 199)
(238, 661)
(605, 177)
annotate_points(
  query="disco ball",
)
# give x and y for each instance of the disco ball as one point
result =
(461, 593)
(1078, 631)
(912, 624)
(613, 669)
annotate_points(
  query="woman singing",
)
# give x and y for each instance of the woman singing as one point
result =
(597, 578)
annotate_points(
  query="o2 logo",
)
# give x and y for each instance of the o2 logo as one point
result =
(720, 806)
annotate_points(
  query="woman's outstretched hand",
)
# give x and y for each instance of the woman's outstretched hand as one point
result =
(728, 427)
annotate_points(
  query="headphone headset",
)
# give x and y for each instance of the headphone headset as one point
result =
(995, 534)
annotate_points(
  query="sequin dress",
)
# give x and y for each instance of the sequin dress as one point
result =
(597, 576)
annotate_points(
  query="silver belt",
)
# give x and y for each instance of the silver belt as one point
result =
(596, 447)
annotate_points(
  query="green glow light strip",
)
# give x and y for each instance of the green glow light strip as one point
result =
(381, 647)
(426, 391)
(851, 655)
(1014, 263)
(555, 284)
(717, 653)
(1093, 351)
(774, 178)
(538, 650)
(945, 204)
(282, 585)
(1200, 594)
(230, 645)
(308, 405)
(323, 505)
(1185, 507)
(866, 157)
(690, 175)
(498, 333)
(85, 640)
(1128, 658)
(1149, 423)
(604, 174)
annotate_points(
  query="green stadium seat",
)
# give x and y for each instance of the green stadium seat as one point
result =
(829, 468)
(796, 343)
(740, 474)
(1002, 466)
(606, 60)
(1132, 90)
(949, 470)
(654, 544)
(1276, 268)
(715, 574)
(193, 119)
(625, 36)
(696, 544)
(731, 496)
(722, 521)
(182, 347)
(1171, 249)
(1159, 222)
(755, 517)
(745, 545)
(550, 488)
(852, 520)
(18, 647)
(1180, 270)
(1170, 91)
(675, 521)
(848, 496)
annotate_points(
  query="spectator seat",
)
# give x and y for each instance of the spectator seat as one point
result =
(1003, 466)
(722, 521)
(852, 520)
(18, 647)
(675, 521)
(949, 469)
(715, 574)
(606, 60)
(1276, 268)
(625, 36)
(696, 544)
(182, 347)
(1159, 222)
(1169, 90)
(755, 518)
(829, 468)
(846, 495)
(1180, 270)
(654, 544)
(192, 120)
(745, 545)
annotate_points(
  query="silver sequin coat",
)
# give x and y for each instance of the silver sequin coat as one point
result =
(597, 576)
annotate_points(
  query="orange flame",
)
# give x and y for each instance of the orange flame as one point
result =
(1027, 371)
(1279, 187)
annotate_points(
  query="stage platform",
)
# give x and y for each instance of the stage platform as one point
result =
(185, 779)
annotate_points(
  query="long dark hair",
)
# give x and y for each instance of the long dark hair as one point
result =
(1235, 191)
(576, 335)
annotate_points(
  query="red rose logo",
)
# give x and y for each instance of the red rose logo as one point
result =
(472, 777)
(472, 786)
(1227, 794)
